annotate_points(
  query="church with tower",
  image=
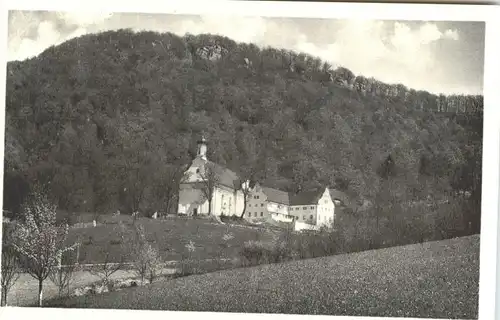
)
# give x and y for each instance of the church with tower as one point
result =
(306, 210)
(227, 197)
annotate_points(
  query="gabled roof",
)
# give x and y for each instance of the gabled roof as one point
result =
(275, 195)
(306, 197)
(227, 177)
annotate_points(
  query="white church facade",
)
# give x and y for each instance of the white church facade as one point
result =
(306, 210)
(227, 197)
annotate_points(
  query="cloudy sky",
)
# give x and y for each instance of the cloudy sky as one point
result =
(441, 57)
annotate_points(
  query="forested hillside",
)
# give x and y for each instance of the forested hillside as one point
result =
(109, 121)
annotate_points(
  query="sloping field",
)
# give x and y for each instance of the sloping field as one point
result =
(436, 279)
(211, 240)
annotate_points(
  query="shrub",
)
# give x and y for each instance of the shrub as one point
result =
(62, 278)
(106, 268)
(256, 252)
(187, 268)
(281, 252)
(290, 246)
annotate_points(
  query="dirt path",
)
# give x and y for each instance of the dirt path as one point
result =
(25, 290)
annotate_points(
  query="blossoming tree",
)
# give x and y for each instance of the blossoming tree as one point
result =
(39, 241)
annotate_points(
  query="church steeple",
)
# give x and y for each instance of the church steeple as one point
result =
(202, 148)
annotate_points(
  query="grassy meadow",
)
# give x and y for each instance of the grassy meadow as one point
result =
(436, 279)
(172, 236)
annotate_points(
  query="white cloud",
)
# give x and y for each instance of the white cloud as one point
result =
(84, 19)
(237, 28)
(26, 48)
(451, 34)
(428, 33)
(21, 47)
(390, 52)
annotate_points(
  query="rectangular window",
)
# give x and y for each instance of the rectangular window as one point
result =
(312, 207)
(256, 197)
(311, 216)
(249, 214)
(304, 217)
(261, 204)
(261, 214)
(304, 208)
(249, 205)
(255, 214)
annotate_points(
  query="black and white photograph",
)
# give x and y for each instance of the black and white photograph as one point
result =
(244, 161)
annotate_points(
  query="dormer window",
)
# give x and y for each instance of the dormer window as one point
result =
(197, 170)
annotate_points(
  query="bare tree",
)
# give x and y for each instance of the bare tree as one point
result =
(38, 240)
(107, 268)
(248, 168)
(10, 269)
(62, 277)
(210, 178)
(246, 190)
